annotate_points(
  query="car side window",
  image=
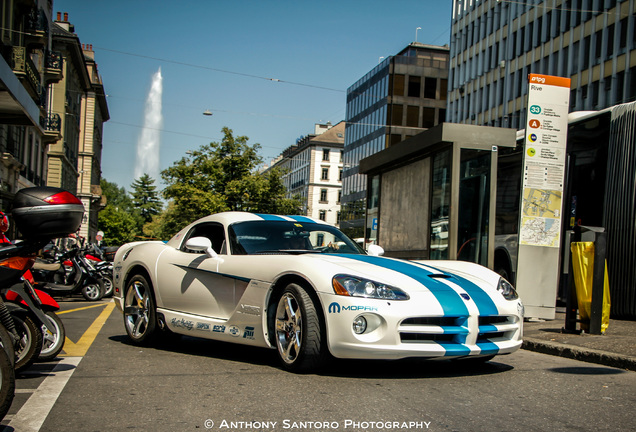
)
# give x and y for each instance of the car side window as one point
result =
(211, 230)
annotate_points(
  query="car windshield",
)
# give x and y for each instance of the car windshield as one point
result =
(266, 237)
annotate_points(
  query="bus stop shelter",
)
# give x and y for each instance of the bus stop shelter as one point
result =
(433, 195)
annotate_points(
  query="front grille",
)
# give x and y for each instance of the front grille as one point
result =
(455, 330)
(419, 337)
(434, 329)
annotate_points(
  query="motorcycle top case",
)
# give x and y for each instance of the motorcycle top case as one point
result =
(46, 212)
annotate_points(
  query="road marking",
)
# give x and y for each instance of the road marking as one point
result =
(33, 413)
(79, 309)
(79, 349)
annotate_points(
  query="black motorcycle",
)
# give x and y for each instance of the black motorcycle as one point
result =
(81, 278)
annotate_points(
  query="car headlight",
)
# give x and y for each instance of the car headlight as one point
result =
(507, 290)
(358, 287)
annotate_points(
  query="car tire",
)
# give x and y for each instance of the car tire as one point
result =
(52, 345)
(298, 331)
(140, 314)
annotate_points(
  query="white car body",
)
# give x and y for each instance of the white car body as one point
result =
(453, 310)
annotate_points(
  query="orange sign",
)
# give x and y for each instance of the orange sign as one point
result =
(549, 80)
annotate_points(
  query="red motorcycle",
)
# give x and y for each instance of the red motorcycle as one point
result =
(42, 333)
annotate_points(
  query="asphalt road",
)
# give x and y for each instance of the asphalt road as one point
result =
(107, 384)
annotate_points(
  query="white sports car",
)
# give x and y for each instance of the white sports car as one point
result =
(302, 287)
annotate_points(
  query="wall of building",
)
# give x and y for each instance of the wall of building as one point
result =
(404, 210)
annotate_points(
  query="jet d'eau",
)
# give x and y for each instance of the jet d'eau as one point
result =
(149, 140)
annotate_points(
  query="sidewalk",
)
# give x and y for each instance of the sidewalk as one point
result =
(616, 348)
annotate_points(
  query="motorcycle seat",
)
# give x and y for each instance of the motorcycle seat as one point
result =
(39, 265)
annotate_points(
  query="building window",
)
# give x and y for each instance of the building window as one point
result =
(339, 196)
(430, 88)
(428, 117)
(415, 83)
(340, 175)
(325, 154)
(323, 195)
(322, 215)
(398, 85)
(396, 114)
(325, 174)
(412, 115)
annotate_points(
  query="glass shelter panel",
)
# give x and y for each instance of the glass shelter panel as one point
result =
(440, 204)
(474, 203)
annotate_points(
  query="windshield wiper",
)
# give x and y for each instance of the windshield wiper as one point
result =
(286, 251)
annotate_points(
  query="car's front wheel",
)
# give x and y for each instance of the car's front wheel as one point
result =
(140, 316)
(299, 337)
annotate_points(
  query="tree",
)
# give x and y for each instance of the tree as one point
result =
(145, 198)
(116, 196)
(220, 177)
(119, 225)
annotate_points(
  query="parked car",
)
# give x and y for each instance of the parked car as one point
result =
(302, 287)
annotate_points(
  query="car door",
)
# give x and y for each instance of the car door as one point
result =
(193, 282)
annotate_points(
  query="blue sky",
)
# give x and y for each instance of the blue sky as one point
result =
(216, 55)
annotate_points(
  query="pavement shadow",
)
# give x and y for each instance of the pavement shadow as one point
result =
(588, 370)
(379, 369)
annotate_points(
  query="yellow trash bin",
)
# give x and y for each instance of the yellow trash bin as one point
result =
(583, 270)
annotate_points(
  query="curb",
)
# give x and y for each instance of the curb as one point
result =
(583, 354)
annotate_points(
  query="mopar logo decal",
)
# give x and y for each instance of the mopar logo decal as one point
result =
(249, 333)
(336, 308)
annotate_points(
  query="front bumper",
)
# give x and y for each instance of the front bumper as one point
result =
(418, 328)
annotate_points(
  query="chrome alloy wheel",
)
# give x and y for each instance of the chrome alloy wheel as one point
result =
(289, 329)
(137, 307)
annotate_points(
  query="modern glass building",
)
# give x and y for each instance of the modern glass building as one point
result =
(399, 98)
(496, 44)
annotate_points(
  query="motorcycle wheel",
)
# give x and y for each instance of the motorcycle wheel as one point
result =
(7, 344)
(108, 286)
(52, 344)
(7, 381)
(30, 341)
(93, 291)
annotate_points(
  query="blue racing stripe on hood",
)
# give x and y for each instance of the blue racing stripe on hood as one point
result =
(484, 303)
(451, 302)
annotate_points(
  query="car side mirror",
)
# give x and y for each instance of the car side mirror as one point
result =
(201, 244)
(375, 250)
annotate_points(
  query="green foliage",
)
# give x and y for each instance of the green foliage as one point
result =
(145, 198)
(215, 178)
(119, 226)
(222, 177)
(116, 196)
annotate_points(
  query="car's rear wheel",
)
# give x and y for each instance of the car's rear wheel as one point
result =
(140, 315)
(299, 336)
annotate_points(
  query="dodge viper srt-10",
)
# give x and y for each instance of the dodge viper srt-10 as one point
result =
(302, 287)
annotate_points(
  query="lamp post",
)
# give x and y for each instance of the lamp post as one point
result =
(419, 28)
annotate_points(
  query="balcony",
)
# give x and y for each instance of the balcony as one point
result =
(26, 71)
(52, 126)
(53, 67)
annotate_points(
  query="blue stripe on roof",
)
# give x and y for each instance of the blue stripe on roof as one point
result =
(449, 300)
(303, 219)
(269, 217)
